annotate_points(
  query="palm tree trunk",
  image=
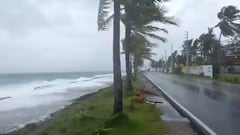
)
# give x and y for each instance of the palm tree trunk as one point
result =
(220, 37)
(135, 68)
(127, 53)
(118, 105)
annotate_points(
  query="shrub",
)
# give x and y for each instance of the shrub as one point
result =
(82, 115)
(138, 98)
(101, 131)
(230, 79)
(181, 66)
(116, 119)
(177, 70)
(235, 79)
(194, 65)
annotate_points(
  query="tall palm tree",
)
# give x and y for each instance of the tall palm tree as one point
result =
(118, 105)
(229, 21)
(229, 25)
(103, 8)
(127, 51)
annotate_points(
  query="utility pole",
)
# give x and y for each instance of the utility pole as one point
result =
(171, 58)
(165, 60)
(219, 55)
(163, 64)
(187, 58)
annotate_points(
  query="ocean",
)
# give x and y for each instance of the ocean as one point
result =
(28, 98)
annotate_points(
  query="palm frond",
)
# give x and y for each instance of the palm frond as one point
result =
(154, 36)
(171, 20)
(150, 44)
(150, 28)
(103, 12)
(142, 31)
(105, 24)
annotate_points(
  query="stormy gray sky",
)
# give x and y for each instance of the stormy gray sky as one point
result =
(61, 35)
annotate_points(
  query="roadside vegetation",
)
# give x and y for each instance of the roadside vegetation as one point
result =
(95, 117)
(230, 78)
(210, 49)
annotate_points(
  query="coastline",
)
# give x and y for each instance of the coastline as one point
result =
(36, 127)
(68, 119)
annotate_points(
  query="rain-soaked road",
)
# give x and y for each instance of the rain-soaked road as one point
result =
(216, 104)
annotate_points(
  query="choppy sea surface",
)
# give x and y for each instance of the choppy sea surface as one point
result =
(27, 98)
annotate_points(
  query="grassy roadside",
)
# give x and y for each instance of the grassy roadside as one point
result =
(225, 78)
(193, 76)
(94, 117)
(229, 78)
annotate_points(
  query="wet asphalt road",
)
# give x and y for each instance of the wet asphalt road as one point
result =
(216, 104)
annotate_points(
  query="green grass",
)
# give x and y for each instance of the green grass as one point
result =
(229, 78)
(190, 76)
(95, 117)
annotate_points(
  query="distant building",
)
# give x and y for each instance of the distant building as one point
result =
(231, 63)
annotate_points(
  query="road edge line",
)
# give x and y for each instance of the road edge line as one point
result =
(196, 121)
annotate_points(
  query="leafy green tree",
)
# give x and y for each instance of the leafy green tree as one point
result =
(181, 59)
(154, 64)
(209, 45)
(160, 64)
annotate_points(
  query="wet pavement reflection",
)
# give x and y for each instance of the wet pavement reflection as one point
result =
(216, 104)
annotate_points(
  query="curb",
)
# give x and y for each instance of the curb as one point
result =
(196, 121)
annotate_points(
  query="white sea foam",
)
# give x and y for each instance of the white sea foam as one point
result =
(46, 92)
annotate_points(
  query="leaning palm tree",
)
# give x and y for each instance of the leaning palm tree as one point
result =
(137, 18)
(229, 21)
(141, 49)
(229, 25)
(117, 86)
